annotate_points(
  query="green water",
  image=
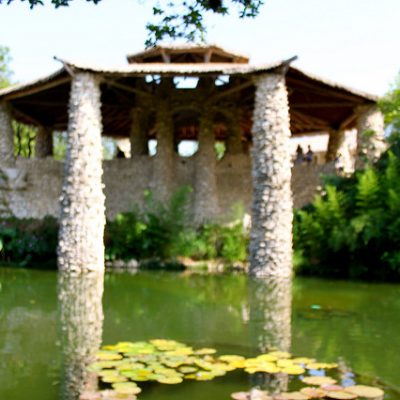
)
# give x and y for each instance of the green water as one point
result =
(355, 323)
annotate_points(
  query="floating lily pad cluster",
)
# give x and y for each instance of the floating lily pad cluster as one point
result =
(325, 388)
(127, 364)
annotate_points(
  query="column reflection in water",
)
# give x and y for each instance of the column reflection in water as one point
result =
(81, 318)
(270, 302)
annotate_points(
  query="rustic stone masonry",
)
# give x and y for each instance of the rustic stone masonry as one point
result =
(270, 311)
(163, 167)
(138, 135)
(7, 158)
(335, 141)
(206, 194)
(81, 321)
(80, 246)
(370, 135)
(44, 142)
(272, 207)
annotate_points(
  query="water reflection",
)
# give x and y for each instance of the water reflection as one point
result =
(81, 317)
(270, 303)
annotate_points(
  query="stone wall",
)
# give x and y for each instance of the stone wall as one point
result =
(39, 183)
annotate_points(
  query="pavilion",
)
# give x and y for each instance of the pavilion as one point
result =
(252, 109)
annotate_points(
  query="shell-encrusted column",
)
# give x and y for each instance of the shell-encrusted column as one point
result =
(44, 142)
(81, 323)
(7, 158)
(335, 141)
(370, 135)
(234, 139)
(206, 196)
(163, 167)
(270, 312)
(138, 134)
(272, 208)
(80, 246)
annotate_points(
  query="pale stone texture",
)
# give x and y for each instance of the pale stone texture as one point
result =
(126, 180)
(138, 134)
(370, 135)
(81, 322)
(272, 208)
(44, 142)
(7, 158)
(164, 160)
(336, 139)
(270, 310)
(205, 185)
(82, 220)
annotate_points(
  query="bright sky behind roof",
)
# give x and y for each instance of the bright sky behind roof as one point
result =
(353, 42)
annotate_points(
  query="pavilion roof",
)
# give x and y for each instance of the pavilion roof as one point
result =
(184, 53)
(316, 104)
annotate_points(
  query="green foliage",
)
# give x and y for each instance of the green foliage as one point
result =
(28, 242)
(390, 105)
(5, 71)
(24, 139)
(164, 231)
(353, 230)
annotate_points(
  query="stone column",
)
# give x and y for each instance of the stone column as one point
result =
(163, 167)
(370, 135)
(81, 322)
(7, 158)
(44, 142)
(80, 245)
(336, 138)
(138, 133)
(234, 139)
(206, 196)
(272, 209)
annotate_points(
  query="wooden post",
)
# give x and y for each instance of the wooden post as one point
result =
(234, 139)
(80, 245)
(44, 142)
(7, 158)
(138, 134)
(336, 138)
(272, 207)
(370, 135)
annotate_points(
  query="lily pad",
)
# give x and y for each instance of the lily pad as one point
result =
(170, 380)
(340, 395)
(204, 351)
(368, 392)
(313, 393)
(126, 388)
(319, 380)
(293, 370)
(107, 356)
(291, 396)
(316, 365)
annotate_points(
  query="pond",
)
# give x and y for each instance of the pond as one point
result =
(355, 324)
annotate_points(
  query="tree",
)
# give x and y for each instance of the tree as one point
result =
(179, 19)
(390, 106)
(5, 71)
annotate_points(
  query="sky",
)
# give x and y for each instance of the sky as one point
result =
(353, 42)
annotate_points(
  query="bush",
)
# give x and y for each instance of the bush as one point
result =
(353, 229)
(28, 242)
